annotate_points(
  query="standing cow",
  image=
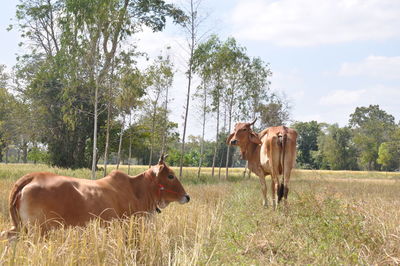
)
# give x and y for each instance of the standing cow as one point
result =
(51, 200)
(271, 152)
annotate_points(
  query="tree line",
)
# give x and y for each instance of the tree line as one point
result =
(79, 97)
(370, 141)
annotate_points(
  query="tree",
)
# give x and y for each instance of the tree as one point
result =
(132, 84)
(307, 142)
(5, 108)
(207, 63)
(389, 152)
(371, 127)
(235, 94)
(275, 112)
(257, 86)
(338, 152)
(160, 76)
(191, 28)
(202, 93)
(73, 44)
(256, 75)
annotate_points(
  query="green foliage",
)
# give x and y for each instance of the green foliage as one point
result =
(389, 153)
(337, 149)
(371, 127)
(273, 113)
(73, 44)
(307, 143)
(38, 155)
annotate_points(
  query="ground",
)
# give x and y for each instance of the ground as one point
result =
(333, 217)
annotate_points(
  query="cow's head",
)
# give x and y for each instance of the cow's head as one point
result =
(243, 135)
(169, 187)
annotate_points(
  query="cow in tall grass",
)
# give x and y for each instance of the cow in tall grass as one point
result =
(50, 200)
(270, 152)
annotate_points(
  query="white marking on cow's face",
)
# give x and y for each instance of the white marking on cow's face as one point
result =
(156, 170)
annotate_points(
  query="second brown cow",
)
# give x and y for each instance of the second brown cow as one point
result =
(270, 152)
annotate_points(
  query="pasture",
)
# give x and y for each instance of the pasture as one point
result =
(333, 217)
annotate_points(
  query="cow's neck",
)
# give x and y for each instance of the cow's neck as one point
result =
(251, 153)
(145, 189)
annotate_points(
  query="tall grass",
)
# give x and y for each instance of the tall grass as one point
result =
(328, 221)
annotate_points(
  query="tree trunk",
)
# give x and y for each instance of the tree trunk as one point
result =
(120, 142)
(96, 100)
(229, 147)
(130, 143)
(153, 125)
(24, 151)
(220, 164)
(216, 143)
(107, 139)
(202, 135)
(163, 147)
(107, 131)
(36, 148)
(193, 15)
(6, 154)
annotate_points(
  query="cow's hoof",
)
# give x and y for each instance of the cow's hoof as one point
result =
(265, 204)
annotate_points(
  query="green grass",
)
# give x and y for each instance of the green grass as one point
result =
(333, 217)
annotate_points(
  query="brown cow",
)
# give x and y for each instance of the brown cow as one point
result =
(271, 152)
(51, 200)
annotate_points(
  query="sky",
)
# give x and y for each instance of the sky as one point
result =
(327, 56)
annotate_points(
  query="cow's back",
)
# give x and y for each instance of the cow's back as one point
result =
(54, 199)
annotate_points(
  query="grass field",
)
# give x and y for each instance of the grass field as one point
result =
(333, 217)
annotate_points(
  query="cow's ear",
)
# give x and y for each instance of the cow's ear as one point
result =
(254, 138)
(157, 169)
(228, 140)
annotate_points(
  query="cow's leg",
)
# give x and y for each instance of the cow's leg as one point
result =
(286, 187)
(289, 163)
(274, 159)
(264, 190)
(274, 188)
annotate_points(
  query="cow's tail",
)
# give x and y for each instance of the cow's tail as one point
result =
(282, 140)
(14, 199)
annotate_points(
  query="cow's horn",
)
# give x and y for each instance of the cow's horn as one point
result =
(162, 158)
(252, 123)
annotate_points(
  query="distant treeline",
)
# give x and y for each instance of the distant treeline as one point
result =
(371, 141)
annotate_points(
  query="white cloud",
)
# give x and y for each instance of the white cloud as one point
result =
(342, 97)
(310, 22)
(373, 66)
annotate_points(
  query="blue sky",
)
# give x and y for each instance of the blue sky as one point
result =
(327, 56)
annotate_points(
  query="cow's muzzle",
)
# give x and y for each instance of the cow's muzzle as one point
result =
(185, 199)
(234, 142)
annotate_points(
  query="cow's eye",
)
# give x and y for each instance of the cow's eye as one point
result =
(171, 176)
(244, 129)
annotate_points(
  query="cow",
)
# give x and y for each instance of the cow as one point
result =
(50, 200)
(270, 152)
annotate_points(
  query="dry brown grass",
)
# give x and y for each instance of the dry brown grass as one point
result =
(332, 218)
